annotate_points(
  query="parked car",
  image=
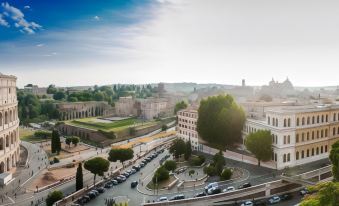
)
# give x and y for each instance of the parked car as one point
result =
(84, 199)
(114, 182)
(274, 200)
(245, 185)
(303, 192)
(163, 199)
(214, 190)
(134, 184)
(133, 171)
(91, 195)
(210, 185)
(229, 189)
(285, 197)
(108, 185)
(119, 179)
(136, 168)
(96, 192)
(141, 165)
(262, 202)
(178, 197)
(247, 203)
(200, 194)
(100, 189)
(123, 177)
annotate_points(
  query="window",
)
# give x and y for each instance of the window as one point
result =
(333, 131)
(308, 136)
(308, 153)
(289, 122)
(317, 134)
(322, 133)
(312, 151)
(334, 117)
(303, 121)
(322, 118)
(289, 139)
(285, 123)
(317, 151)
(318, 118)
(297, 138)
(288, 157)
(325, 132)
(313, 120)
(275, 157)
(297, 121)
(312, 135)
(284, 160)
(308, 120)
(325, 148)
(276, 122)
(302, 137)
(326, 118)
(297, 155)
(321, 149)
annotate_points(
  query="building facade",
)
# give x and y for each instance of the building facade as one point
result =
(9, 124)
(152, 108)
(300, 134)
(187, 127)
(126, 106)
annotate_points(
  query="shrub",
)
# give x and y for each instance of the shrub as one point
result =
(160, 175)
(54, 197)
(164, 127)
(170, 165)
(210, 170)
(56, 160)
(197, 161)
(226, 174)
(191, 172)
(109, 135)
(43, 134)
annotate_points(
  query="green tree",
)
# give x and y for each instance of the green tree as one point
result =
(75, 141)
(164, 127)
(59, 95)
(226, 174)
(259, 143)
(55, 142)
(160, 174)
(323, 194)
(179, 106)
(219, 162)
(79, 182)
(97, 166)
(210, 170)
(334, 157)
(170, 165)
(220, 121)
(51, 89)
(68, 141)
(188, 151)
(120, 154)
(178, 148)
(54, 197)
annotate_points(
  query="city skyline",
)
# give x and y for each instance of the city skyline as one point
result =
(155, 41)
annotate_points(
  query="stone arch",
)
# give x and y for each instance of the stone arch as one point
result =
(13, 161)
(7, 141)
(8, 165)
(2, 167)
(12, 138)
(10, 116)
(1, 119)
(6, 117)
(1, 143)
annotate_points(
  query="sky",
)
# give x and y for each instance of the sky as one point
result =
(86, 42)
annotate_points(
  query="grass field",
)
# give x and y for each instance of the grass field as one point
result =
(27, 135)
(115, 126)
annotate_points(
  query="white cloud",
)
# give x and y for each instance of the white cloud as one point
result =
(40, 45)
(27, 7)
(3, 22)
(19, 19)
(97, 18)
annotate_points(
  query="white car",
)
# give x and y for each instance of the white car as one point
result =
(229, 189)
(162, 199)
(274, 200)
(210, 185)
(247, 203)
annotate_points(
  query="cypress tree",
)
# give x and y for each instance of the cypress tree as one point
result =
(79, 178)
(53, 141)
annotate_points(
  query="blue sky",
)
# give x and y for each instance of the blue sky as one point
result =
(87, 42)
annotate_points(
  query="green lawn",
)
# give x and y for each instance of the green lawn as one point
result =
(28, 135)
(112, 126)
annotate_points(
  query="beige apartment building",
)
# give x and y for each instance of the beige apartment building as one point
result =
(187, 127)
(9, 125)
(300, 134)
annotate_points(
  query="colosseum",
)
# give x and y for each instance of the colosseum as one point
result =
(9, 124)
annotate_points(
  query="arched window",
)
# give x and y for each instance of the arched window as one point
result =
(302, 137)
(303, 121)
(318, 119)
(289, 122)
(308, 136)
(297, 138)
(326, 119)
(325, 148)
(322, 118)
(297, 121)
(308, 153)
(308, 120)
(1, 143)
(334, 117)
(284, 159)
(6, 117)
(321, 149)
(288, 157)
(326, 132)
(7, 141)
(312, 151)
(322, 133)
(313, 120)
(312, 135)
(297, 155)
(317, 151)
(333, 131)
(288, 139)
(276, 122)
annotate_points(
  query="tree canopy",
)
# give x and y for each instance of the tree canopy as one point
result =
(334, 157)
(324, 194)
(260, 144)
(178, 148)
(54, 197)
(179, 106)
(160, 174)
(220, 120)
(120, 154)
(97, 166)
(170, 165)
